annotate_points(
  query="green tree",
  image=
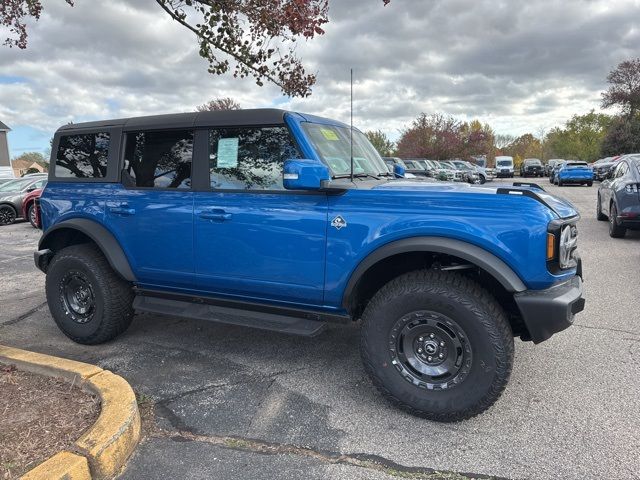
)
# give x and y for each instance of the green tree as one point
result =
(381, 142)
(581, 137)
(622, 137)
(525, 146)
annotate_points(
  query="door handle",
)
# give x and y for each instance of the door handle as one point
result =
(217, 215)
(122, 210)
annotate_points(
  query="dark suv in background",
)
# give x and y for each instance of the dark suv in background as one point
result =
(531, 167)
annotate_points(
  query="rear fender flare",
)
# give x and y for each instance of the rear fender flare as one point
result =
(102, 237)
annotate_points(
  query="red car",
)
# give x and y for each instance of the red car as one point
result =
(29, 209)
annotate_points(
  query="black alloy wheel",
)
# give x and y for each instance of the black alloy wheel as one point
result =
(7, 215)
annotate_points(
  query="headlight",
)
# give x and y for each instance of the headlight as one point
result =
(567, 245)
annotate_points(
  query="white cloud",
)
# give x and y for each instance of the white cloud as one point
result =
(518, 65)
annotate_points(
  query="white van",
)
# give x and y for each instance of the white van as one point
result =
(504, 166)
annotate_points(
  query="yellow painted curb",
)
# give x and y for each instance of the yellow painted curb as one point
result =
(114, 436)
(63, 465)
(108, 444)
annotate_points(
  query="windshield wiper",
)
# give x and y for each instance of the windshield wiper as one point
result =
(355, 175)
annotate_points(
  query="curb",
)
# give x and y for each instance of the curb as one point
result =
(103, 449)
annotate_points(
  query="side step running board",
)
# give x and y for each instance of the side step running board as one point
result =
(233, 316)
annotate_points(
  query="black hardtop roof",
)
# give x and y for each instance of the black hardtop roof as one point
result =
(258, 116)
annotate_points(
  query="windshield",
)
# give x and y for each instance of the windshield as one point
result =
(15, 185)
(504, 163)
(532, 162)
(334, 147)
(462, 166)
(576, 165)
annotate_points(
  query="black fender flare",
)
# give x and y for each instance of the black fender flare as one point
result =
(102, 237)
(472, 253)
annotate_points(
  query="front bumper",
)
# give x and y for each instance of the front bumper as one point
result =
(549, 311)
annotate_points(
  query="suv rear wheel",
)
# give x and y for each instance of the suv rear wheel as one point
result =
(89, 302)
(437, 345)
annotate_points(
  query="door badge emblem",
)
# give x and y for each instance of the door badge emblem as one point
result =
(338, 222)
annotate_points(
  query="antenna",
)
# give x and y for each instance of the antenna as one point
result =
(351, 129)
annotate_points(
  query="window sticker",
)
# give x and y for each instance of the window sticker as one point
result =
(329, 134)
(227, 153)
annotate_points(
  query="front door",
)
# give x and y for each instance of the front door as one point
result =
(253, 238)
(151, 211)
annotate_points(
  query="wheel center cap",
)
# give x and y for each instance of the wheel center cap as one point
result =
(431, 347)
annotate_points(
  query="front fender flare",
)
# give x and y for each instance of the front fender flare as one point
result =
(472, 253)
(101, 236)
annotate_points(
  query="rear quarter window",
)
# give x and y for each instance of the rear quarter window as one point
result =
(82, 155)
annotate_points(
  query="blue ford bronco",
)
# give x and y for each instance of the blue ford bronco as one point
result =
(286, 221)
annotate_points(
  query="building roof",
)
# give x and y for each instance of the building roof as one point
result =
(3, 127)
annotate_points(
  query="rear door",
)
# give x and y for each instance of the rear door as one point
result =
(254, 239)
(151, 209)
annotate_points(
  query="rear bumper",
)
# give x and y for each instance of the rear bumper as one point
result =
(549, 311)
(576, 179)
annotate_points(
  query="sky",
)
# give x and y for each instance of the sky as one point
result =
(521, 66)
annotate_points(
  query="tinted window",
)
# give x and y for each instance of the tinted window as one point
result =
(82, 156)
(159, 159)
(249, 158)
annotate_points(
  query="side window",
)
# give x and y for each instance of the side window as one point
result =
(249, 158)
(82, 156)
(622, 170)
(158, 159)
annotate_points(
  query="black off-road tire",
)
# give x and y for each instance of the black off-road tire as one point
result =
(615, 229)
(599, 215)
(112, 297)
(7, 215)
(484, 328)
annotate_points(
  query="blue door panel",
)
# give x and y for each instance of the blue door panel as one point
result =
(155, 228)
(266, 246)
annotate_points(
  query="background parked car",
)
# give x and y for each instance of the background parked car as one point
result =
(469, 172)
(430, 166)
(574, 172)
(602, 167)
(550, 164)
(30, 209)
(391, 161)
(556, 166)
(415, 167)
(619, 197)
(504, 166)
(531, 167)
(12, 195)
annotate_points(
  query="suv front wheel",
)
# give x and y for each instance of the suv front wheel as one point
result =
(437, 345)
(89, 302)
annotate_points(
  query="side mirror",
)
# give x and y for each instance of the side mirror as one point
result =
(31, 189)
(399, 171)
(304, 175)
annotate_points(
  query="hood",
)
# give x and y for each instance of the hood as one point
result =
(559, 205)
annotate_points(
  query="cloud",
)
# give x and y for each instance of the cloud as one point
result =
(519, 65)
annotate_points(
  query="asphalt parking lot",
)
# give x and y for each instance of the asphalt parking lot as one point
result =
(241, 403)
